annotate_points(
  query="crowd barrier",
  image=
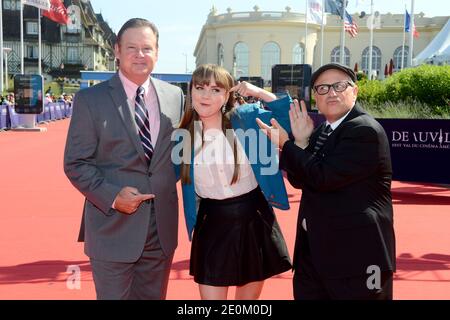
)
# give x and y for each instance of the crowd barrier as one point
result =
(9, 119)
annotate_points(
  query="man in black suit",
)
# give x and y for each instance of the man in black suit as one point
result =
(345, 243)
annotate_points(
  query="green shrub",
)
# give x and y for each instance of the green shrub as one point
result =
(54, 87)
(427, 83)
(403, 110)
(372, 92)
(361, 76)
(422, 92)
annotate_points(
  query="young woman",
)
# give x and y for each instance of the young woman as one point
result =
(237, 240)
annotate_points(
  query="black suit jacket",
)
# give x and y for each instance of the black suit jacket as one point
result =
(346, 197)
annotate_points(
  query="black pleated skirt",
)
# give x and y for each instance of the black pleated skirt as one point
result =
(237, 241)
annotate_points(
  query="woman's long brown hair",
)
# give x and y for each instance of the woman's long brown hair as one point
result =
(202, 76)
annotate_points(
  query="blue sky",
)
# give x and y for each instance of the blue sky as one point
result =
(180, 21)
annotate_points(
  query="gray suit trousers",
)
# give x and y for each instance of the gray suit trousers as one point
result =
(145, 279)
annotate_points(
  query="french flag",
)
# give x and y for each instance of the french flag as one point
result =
(408, 22)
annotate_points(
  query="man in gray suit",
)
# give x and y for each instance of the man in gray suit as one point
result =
(118, 156)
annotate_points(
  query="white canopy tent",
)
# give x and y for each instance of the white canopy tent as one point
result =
(438, 51)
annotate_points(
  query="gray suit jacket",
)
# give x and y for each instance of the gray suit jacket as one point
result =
(104, 154)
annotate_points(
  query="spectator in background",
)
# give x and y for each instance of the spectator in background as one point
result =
(48, 99)
(11, 99)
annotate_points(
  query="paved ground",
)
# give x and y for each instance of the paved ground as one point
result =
(40, 214)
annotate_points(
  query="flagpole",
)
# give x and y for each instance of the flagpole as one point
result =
(371, 39)
(322, 33)
(404, 39)
(1, 47)
(411, 34)
(22, 66)
(40, 41)
(342, 56)
(306, 31)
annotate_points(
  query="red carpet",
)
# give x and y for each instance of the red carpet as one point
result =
(40, 215)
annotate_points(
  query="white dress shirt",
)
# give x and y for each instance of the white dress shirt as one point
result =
(214, 167)
(150, 100)
(151, 103)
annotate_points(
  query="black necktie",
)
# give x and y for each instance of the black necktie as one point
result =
(143, 124)
(322, 138)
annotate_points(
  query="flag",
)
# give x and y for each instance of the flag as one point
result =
(334, 7)
(41, 4)
(57, 12)
(350, 26)
(408, 22)
(315, 12)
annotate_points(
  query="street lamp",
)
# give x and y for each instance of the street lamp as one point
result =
(6, 51)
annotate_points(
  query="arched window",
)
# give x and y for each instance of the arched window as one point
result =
(240, 60)
(220, 55)
(336, 55)
(398, 57)
(298, 54)
(270, 55)
(376, 60)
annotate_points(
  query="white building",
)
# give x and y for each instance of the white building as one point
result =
(250, 43)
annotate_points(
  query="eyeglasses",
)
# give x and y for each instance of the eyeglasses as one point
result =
(340, 86)
(202, 91)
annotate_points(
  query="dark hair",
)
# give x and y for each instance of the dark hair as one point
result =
(137, 23)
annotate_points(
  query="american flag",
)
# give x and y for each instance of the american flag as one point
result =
(350, 26)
